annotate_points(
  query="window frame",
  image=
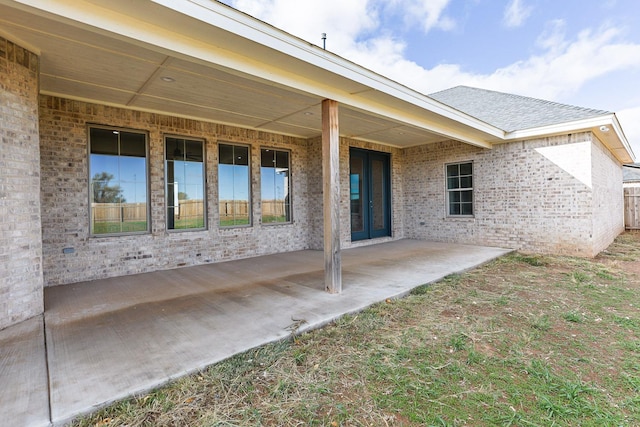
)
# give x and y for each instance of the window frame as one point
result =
(289, 188)
(204, 183)
(114, 129)
(460, 189)
(249, 182)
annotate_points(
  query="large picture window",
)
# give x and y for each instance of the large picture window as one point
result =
(118, 181)
(275, 178)
(233, 185)
(185, 183)
(460, 189)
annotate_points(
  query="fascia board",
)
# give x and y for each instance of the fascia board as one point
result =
(623, 138)
(591, 124)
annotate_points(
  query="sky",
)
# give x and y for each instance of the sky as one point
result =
(577, 52)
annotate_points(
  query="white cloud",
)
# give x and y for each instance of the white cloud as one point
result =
(427, 14)
(567, 65)
(516, 13)
(553, 36)
(342, 21)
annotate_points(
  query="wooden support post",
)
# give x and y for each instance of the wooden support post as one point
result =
(331, 196)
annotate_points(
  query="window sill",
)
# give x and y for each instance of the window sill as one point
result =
(271, 224)
(184, 230)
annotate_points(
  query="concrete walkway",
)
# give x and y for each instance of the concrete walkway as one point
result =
(108, 339)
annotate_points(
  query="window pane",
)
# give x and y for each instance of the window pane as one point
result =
(193, 151)
(133, 144)
(274, 177)
(103, 141)
(185, 184)
(267, 158)
(466, 209)
(452, 170)
(466, 182)
(118, 184)
(233, 185)
(226, 154)
(268, 179)
(241, 156)
(174, 149)
(454, 209)
(466, 169)
(466, 196)
(453, 183)
(454, 196)
(282, 160)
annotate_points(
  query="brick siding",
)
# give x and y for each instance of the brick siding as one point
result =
(522, 200)
(65, 199)
(20, 230)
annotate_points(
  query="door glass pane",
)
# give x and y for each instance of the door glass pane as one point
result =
(377, 193)
(356, 181)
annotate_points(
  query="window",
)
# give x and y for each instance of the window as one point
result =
(460, 189)
(274, 176)
(185, 183)
(118, 181)
(233, 185)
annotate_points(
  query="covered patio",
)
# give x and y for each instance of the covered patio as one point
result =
(103, 340)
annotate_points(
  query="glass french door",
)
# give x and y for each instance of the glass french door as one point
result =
(370, 194)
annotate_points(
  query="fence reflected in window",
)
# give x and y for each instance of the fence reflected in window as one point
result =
(275, 179)
(118, 181)
(233, 185)
(185, 183)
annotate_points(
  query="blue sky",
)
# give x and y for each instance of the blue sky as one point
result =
(579, 52)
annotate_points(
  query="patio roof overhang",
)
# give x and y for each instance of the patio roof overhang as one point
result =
(203, 60)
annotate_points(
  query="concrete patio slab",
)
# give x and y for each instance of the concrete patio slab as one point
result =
(24, 393)
(108, 339)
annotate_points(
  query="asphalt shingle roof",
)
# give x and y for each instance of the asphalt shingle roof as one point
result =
(511, 112)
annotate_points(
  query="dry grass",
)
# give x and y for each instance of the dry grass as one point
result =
(523, 341)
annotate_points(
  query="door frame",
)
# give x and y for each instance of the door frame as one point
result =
(368, 156)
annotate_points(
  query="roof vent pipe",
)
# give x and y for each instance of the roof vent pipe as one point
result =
(324, 41)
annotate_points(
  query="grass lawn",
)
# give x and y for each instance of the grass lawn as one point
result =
(119, 227)
(523, 341)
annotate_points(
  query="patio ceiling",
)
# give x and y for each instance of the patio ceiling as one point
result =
(209, 62)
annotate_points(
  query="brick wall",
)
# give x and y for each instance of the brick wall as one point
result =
(65, 198)
(20, 239)
(608, 197)
(522, 199)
